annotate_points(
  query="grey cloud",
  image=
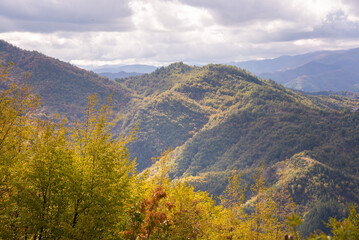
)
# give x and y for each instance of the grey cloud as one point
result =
(353, 5)
(243, 11)
(336, 26)
(246, 13)
(65, 15)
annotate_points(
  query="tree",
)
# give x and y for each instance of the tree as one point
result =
(42, 182)
(103, 176)
(345, 229)
(233, 195)
(232, 200)
(262, 216)
(293, 221)
(192, 213)
(60, 182)
(17, 104)
(262, 221)
(147, 220)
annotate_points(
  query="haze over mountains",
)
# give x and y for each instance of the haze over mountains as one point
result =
(311, 72)
(123, 71)
(217, 118)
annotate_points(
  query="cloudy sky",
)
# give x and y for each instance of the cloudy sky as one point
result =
(158, 32)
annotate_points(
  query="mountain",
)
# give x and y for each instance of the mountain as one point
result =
(312, 72)
(123, 71)
(183, 103)
(217, 118)
(281, 63)
(137, 68)
(121, 74)
(63, 88)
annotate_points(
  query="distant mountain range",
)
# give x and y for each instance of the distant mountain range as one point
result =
(121, 74)
(217, 118)
(138, 68)
(122, 71)
(312, 72)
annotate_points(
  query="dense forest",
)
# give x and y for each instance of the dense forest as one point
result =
(78, 181)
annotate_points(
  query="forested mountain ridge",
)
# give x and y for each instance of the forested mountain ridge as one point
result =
(218, 118)
(63, 88)
(215, 96)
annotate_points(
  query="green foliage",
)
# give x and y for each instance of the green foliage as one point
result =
(345, 229)
(233, 195)
(166, 122)
(102, 172)
(293, 221)
(320, 213)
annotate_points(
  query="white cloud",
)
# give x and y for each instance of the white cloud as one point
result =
(157, 15)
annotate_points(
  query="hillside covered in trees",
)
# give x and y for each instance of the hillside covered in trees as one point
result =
(63, 88)
(219, 118)
(78, 182)
(228, 129)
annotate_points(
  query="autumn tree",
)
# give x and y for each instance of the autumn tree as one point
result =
(260, 217)
(58, 181)
(43, 183)
(103, 173)
(17, 103)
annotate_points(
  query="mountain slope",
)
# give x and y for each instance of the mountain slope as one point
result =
(62, 87)
(174, 103)
(229, 110)
(218, 118)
